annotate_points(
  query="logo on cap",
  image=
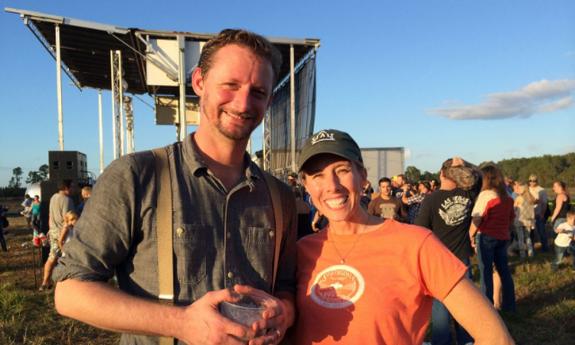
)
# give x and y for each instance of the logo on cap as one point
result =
(322, 136)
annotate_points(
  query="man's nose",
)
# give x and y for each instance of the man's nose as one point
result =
(242, 100)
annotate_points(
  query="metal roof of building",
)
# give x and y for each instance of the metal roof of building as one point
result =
(85, 50)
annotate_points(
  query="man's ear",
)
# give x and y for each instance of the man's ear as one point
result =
(198, 82)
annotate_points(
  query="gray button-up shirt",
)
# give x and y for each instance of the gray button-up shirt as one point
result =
(221, 237)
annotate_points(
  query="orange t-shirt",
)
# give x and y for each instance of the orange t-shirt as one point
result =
(383, 292)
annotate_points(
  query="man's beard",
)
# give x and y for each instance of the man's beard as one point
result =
(239, 133)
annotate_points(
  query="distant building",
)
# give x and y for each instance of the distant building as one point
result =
(383, 161)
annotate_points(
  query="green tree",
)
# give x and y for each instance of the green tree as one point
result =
(43, 171)
(16, 179)
(428, 176)
(412, 173)
(38, 176)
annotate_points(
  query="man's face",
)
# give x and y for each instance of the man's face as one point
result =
(400, 181)
(422, 189)
(235, 92)
(385, 188)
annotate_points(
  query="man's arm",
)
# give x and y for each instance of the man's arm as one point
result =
(371, 207)
(474, 312)
(103, 306)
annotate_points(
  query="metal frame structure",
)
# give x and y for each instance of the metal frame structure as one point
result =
(117, 102)
(107, 57)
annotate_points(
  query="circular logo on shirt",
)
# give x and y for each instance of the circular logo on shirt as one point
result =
(337, 287)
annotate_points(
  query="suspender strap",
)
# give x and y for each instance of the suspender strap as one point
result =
(279, 222)
(164, 229)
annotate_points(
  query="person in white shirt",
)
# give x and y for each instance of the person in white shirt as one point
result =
(564, 240)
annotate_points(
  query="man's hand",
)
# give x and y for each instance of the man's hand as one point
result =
(203, 324)
(276, 319)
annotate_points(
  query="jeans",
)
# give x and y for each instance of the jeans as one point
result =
(492, 251)
(540, 228)
(560, 251)
(441, 323)
(523, 241)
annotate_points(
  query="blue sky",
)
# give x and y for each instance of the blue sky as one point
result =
(485, 80)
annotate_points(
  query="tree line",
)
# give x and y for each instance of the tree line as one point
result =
(15, 186)
(548, 168)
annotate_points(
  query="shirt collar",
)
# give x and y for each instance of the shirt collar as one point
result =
(194, 159)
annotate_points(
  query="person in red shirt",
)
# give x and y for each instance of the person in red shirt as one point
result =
(368, 280)
(492, 218)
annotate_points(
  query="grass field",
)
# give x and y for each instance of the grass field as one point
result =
(545, 302)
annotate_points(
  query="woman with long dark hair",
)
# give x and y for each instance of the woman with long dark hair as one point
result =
(489, 232)
(562, 203)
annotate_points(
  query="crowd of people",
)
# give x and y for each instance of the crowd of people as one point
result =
(62, 215)
(369, 267)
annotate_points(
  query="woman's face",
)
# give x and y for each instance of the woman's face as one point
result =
(557, 188)
(334, 185)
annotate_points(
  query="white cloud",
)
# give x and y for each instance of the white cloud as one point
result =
(538, 97)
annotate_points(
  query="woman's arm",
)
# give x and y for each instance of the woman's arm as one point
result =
(62, 237)
(475, 313)
(559, 200)
(475, 221)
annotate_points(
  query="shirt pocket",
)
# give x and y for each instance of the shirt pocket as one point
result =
(191, 248)
(258, 245)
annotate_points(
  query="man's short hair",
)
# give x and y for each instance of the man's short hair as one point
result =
(570, 214)
(259, 45)
(425, 183)
(65, 184)
(384, 179)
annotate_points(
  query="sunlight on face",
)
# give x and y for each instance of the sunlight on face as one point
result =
(334, 185)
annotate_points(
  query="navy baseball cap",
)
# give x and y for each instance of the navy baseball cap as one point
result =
(330, 141)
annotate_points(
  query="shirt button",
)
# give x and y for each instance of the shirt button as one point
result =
(230, 275)
(179, 231)
(272, 233)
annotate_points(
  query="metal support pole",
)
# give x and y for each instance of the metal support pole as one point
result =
(292, 106)
(117, 102)
(129, 124)
(182, 84)
(267, 142)
(121, 103)
(59, 90)
(113, 89)
(101, 130)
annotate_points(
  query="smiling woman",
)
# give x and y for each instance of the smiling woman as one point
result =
(368, 280)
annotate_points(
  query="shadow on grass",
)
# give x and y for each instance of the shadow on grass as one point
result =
(545, 303)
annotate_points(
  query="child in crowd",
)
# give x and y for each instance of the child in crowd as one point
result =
(35, 211)
(67, 232)
(564, 240)
(524, 219)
